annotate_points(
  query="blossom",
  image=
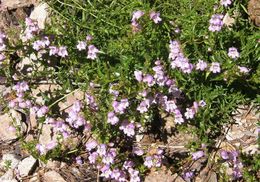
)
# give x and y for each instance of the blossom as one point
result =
(224, 154)
(226, 3)
(63, 51)
(202, 103)
(148, 161)
(144, 106)
(89, 38)
(93, 157)
(197, 155)
(137, 14)
(233, 53)
(41, 149)
(138, 75)
(243, 69)
(138, 151)
(215, 67)
(2, 57)
(81, 45)
(155, 17)
(189, 114)
(112, 119)
(188, 175)
(148, 79)
(53, 50)
(134, 175)
(42, 111)
(92, 52)
(201, 65)
(128, 128)
(216, 23)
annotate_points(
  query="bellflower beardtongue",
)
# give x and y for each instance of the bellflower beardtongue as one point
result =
(120, 107)
(93, 157)
(202, 103)
(134, 175)
(243, 69)
(128, 128)
(41, 149)
(42, 111)
(215, 67)
(188, 175)
(144, 106)
(148, 161)
(53, 50)
(38, 44)
(149, 80)
(178, 117)
(106, 171)
(233, 53)
(32, 29)
(136, 27)
(201, 65)
(81, 45)
(197, 155)
(155, 17)
(137, 14)
(138, 75)
(189, 114)
(226, 3)
(138, 151)
(216, 23)
(63, 51)
(92, 52)
(90, 100)
(112, 118)
(128, 164)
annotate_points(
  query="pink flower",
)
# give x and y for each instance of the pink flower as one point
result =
(128, 128)
(149, 80)
(138, 151)
(215, 67)
(92, 52)
(53, 50)
(216, 23)
(93, 157)
(155, 17)
(81, 45)
(89, 38)
(148, 161)
(226, 3)
(243, 69)
(202, 103)
(189, 114)
(233, 53)
(137, 14)
(2, 57)
(197, 155)
(201, 65)
(63, 51)
(138, 75)
(111, 118)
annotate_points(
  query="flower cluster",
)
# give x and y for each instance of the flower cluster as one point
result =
(20, 102)
(58, 51)
(226, 3)
(104, 156)
(43, 149)
(92, 50)
(216, 23)
(233, 53)
(75, 119)
(154, 160)
(232, 158)
(31, 30)
(41, 44)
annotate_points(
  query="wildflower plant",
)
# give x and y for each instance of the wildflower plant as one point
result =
(134, 60)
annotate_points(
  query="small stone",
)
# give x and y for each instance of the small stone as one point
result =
(40, 14)
(26, 166)
(13, 4)
(53, 176)
(53, 164)
(8, 177)
(46, 136)
(5, 133)
(12, 158)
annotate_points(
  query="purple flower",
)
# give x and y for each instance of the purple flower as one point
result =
(89, 38)
(170, 106)
(224, 154)
(102, 149)
(155, 17)
(93, 157)
(134, 175)
(243, 69)
(178, 117)
(226, 3)
(188, 175)
(37, 45)
(128, 128)
(233, 53)
(202, 103)
(53, 50)
(216, 23)
(197, 155)
(106, 171)
(41, 149)
(79, 160)
(137, 14)
(42, 111)
(201, 65)
(91, 145)
(149, 80)
(215, 67)
(119, 107)
(112, 119)
(138, 151)
(81, 45)
(136, 27)
(148, 161)
(189, 114)
(144, 106)
(138, 75)
(63, 51)
(92, 52)
(128, 164)
(116, 173)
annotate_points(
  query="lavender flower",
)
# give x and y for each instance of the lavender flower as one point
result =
(216, 23)
(53, 50)
(112, 119)
(226, 3)
(81, 45)
(155, 17)
(138, 75)
(92, 52)
(188, 175)
(137, 14)
(2, 57)
(233, 53)
(148, 161)
(63, 51)
(128, 128)
(138, 151)
(197, 155)
(189, 114)
(215, 67)
(243, 69)
(201, 65)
